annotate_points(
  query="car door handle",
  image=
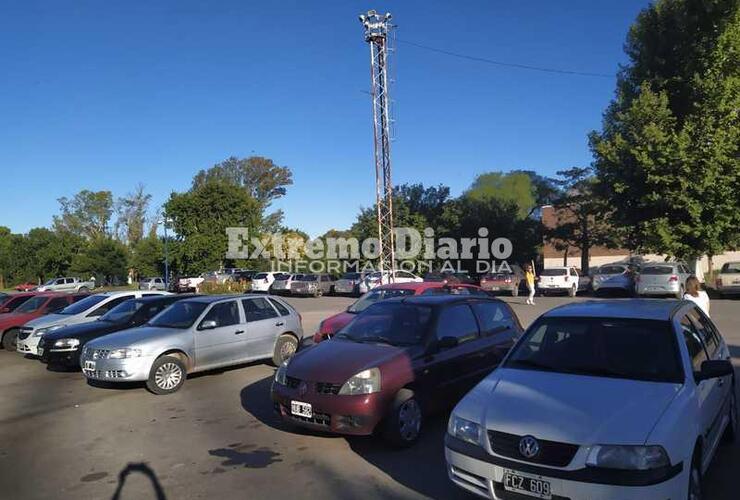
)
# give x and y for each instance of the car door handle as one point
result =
(238, 332)
(279, 323)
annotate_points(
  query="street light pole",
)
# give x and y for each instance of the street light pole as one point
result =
(164, 221)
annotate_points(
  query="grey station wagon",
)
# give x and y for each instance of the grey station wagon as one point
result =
(194, 335)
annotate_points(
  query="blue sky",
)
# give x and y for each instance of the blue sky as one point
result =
(103, 95)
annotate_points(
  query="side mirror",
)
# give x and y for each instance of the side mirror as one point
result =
(443, 343)
(208, 324)
(714, 368)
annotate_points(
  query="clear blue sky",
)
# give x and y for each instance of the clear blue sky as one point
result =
(103, 95)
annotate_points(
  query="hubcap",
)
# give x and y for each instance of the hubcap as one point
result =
(409, 419)
(287, 350)
(168, 376)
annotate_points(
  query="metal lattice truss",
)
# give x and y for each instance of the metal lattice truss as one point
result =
(376, 35)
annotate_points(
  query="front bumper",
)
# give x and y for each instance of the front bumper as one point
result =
(29, 345)
(729, 289)
(351, 415)
(68, 358)
(476, 470)
(116, 370)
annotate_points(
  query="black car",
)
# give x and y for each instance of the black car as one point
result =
(62, 347)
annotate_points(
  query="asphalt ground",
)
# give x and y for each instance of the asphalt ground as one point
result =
(218, 437)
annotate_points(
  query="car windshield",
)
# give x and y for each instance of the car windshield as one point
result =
(618, 348)
(351, 276)
(307, 277)
(392, 323)
(611, 270)
(83, 305)
(31, 304)
(554, 272)
(371, 298)
(51, 281)
(123, 312)
(260, 276)
(731, 268)
(657, 270)
(179, 315)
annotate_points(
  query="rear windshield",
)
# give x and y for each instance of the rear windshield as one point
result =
(83, 305)
(616, 348)
(32, 304)
(179, 315)
(731, 268)
(374, 296)
(260, 276)
(657, 270)
(308, 277)
(392, 323)
(282, 276)
(554, 272)
(611, 270)
(351, 276)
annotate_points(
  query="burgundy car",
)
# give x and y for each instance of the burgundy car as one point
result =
(26, 287)
(10, 303)
(333, 324)
(394, 363)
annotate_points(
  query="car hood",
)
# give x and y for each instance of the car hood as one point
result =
(49, 320)
(84, 331)
(335, 361)
(131, 336)
(16, 319)
(333, 324)
(577, 409)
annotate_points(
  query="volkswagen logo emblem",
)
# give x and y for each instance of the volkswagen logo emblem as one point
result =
(302, 388)
(529, 447)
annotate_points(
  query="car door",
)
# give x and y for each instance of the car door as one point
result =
(263, 326)
(222, 344)
(498, 331)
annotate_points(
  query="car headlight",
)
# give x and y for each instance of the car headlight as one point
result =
(67, 343)
(281, 374)
(365, 382)
(124, 353)
(628, 457)
(464, 430)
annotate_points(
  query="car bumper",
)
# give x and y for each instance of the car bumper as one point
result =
(499, 287)
(658, 289)
(345, 288)
(351, 415)
(729, 290)
(117, 370)
(485, 479)
(69, 359)
(29, 345)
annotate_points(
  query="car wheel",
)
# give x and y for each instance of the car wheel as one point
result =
(83, 289)
(573, 291)
(167, 375)
(695, 480)
(730, 434)
(10, 340)
(403, 424)
(285, 347)
(515, 290)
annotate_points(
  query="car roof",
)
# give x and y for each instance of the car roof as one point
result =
(157, 298)
(656, 309)
(419, 287)
(210, 299)
(435, 300)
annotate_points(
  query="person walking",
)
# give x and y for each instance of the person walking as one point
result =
(695, 294)
(529, 277)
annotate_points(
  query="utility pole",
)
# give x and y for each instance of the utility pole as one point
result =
(376, 35)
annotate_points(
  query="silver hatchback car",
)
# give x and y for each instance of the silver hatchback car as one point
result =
(194, 335)
(665, 278)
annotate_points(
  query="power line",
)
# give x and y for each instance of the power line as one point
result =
(506, 64)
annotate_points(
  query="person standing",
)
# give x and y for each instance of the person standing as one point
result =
(695, 294)
(529, 277)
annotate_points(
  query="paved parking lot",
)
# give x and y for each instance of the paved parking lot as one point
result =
(218, 438)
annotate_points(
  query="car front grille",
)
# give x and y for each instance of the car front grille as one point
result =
(25, 333)
(292, 382)
(327, 388)
(317, 418)
(551, 453)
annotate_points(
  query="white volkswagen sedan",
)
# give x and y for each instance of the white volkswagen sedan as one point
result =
(599, 400)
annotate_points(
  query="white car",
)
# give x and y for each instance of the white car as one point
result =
(83, 311)
(70, 285)
(728, 280)
(559, 279)
(376, 279)
(261, 282)
(626, 400)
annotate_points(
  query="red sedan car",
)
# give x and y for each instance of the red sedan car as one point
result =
(333, 324)
(394, 363)
(26, 287)
(10, 303)
(37, 305)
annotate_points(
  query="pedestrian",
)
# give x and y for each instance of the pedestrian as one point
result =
(695, 294)
(529, 277)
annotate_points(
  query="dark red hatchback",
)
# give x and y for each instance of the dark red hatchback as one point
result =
(394, 363)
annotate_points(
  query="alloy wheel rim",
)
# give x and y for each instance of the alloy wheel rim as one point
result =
(409, 419)
(287, 350)
(168, 376)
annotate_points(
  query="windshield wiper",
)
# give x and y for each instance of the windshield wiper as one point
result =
(375, 338)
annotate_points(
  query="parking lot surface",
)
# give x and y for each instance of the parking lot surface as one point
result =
(218, 437)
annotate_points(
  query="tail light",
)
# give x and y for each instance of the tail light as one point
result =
(483, 280)
(719, 282)
(673, 278)
(507, 280)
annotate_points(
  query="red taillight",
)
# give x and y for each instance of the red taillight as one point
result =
(507, 280)
(673, 278)
(719, 282)
(482, 281)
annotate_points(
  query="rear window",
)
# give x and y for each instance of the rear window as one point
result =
(554, 272)
(374, 296)
(611, 270)
(309, 277)
(657, 270)
(731, 268)
(351, 276)
(83, 305)
(260, 276)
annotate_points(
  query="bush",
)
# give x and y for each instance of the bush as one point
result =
(212, 288)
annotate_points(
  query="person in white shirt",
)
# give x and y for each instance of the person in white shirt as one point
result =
(695, 294)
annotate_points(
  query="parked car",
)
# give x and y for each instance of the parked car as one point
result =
(189, 284)
(193, 335)
(37, 305)
(152, 284)
(313, 284)
(560, 279)
(614, 277)
(624, 400)
(261, 282)
(25, 287)
(70, 285)
(349, 283)
(331, 325)
(62, 347)
(282, 283)
(88, 309)
(728, 280)
(503, 281)
(10, 303)
(377, 278)
(244, 275)
(397, 361)
(667, 278)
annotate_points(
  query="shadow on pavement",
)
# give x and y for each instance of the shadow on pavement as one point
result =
(147, 471)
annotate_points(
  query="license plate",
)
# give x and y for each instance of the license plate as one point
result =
(528, 485)
(301, 409)
(495, 288)
(89, 365)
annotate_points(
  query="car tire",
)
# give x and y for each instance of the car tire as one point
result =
(285, 347)
(167, 375)
(10, 340)
(573, 291)
(403, 423)
(83, 289)
(730, 434)
(695, 479)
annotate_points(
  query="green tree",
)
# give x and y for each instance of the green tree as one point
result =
(147, 257)
(513, 187)
(104, 258)
(86, 214)
(51, 252)
(131, 213)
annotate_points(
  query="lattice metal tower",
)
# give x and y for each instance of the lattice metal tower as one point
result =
(377, 27)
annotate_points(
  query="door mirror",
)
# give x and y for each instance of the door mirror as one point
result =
(443, 343)
(208, 324)
(714, 368)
